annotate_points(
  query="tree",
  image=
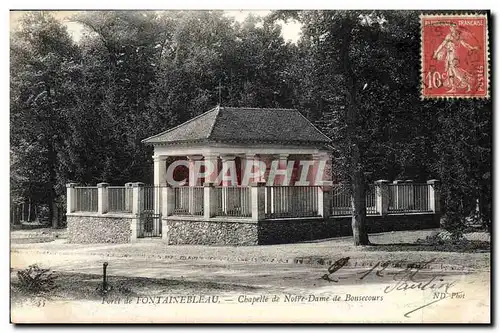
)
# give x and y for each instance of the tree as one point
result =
(341, 46)
(42, 53)
(79, 112)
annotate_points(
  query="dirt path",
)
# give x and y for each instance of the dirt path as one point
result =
(238, 285)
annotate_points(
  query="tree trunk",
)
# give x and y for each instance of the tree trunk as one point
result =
(358, 201)
(55, 216)
(29, 210)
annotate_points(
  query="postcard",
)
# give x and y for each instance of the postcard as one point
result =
(279, 166)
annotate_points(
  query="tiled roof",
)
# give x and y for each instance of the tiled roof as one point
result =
(230, 124)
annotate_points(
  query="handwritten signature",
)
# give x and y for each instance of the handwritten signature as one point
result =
(404, 279)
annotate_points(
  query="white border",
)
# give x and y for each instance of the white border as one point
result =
(190, 4)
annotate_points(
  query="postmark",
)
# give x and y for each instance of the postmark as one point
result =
(454, 56)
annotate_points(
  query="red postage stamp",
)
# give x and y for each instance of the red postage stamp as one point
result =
(454, 51)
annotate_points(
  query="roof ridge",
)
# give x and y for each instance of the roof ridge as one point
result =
(317, 129)
(249, 108)
(186, 122)
(218, 108)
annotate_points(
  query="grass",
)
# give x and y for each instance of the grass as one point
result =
(468, 246)
(77, 286)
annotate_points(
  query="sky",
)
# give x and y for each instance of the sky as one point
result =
(290, 30)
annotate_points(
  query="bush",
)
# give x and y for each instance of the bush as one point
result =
(453, 223)
(36, 280)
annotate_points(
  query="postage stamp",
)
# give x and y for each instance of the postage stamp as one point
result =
(454, 51)
(249, 166)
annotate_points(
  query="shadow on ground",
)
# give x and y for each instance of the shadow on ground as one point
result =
(465, 246)
(77, 286)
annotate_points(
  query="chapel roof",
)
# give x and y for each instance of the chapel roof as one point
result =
(246, 125)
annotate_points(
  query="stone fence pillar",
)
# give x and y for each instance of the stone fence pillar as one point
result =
(209, 200)
(168, 199)
(382, 196)
(137, 198)
(434, 195)
(70, 197)
(258, 194)
(324, 200)
(102, 198)
(129, 196)
(137, 208)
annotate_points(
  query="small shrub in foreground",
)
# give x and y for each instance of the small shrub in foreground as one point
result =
(36, 280)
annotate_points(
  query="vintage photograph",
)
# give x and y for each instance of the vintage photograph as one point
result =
(241, 166)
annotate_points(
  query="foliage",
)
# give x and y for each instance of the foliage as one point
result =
(79, 111)
(36, 280)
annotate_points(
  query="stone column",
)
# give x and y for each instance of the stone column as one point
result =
(102, 198)
(211, 161)
(258, 201)
(252, 172)
(209, 205)
(167, 194)
(434, 196)
(382, 196)
(137, 197)
(70, 197)
(168, 200)
(160, 170)
(137, 208)
(160, 179)
(324, 200)
(129, 192)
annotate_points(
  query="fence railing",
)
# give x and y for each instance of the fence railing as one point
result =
(150, 194)
(86, 199)
(120, 199)
(291, 201)
(233, 201)
(341, 200)
(236, 201)
(371, 200)
(188, 200)
(407, 198)
(399, 198)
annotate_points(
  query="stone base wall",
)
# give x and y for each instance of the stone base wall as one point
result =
(97, 229)
(296, 230)
(291, 230)
(212, 233)
(107, 229)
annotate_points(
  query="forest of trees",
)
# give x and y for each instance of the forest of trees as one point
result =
(79, 110)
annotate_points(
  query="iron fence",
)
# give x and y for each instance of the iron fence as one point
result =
(371, 200)
(120, 199)
(86, 199)
(150, 197)
(408, 198)
(341, 200)
(233, 201)
(291, 201)
(188, 200)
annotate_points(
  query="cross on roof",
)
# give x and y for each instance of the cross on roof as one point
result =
(219, 88)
